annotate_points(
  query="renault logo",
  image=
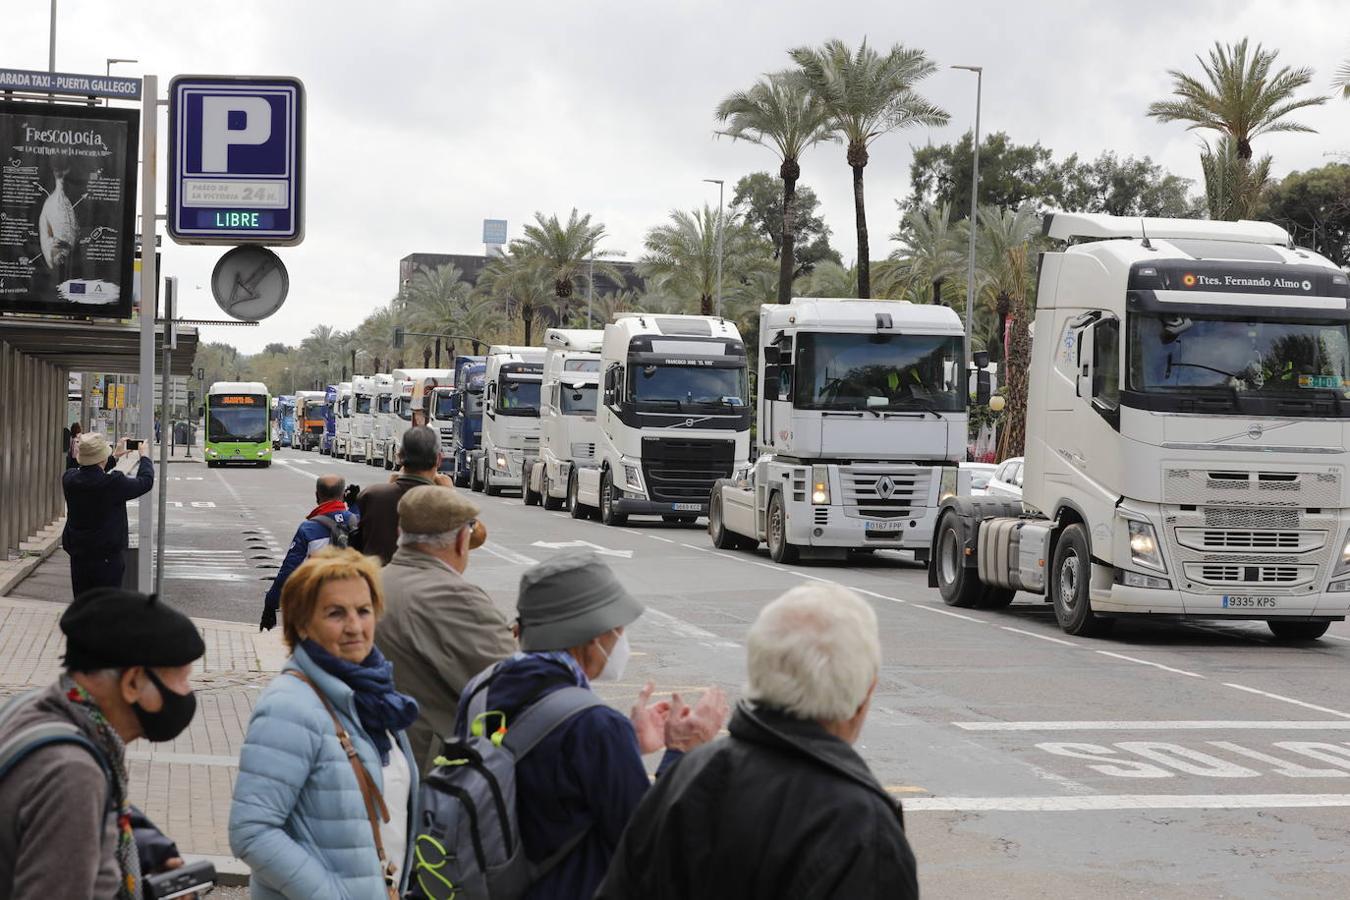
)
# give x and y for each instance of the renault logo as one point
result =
(885, 487)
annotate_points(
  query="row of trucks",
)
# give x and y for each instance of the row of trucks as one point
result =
(1186, 437)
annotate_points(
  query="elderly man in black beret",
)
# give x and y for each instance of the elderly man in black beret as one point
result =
(66, 828)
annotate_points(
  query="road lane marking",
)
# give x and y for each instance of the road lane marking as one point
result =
(1043, 637)
(1145, 662)
(661, 539)
(1111, 802)
(699, 549)
(905, 789)
(874, 594)
(1312, 706)
(691, 631)
(511, 556)
(948, 612)
(1161, 725)
(603, 551)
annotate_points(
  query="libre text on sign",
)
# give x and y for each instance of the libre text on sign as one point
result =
(236, 153)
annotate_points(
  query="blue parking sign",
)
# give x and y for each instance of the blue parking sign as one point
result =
(236, 151)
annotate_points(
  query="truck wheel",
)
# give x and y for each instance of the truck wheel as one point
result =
(388, 464)
(780, 549)
(1298, 631)
(461, 478)
(551, 503)
(492, 490)
(574, 504)
(958, 585)
(607, 513)
(1069, 577)
(717, 529)
(529, 497)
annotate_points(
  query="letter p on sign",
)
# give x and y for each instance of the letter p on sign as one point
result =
(229, 121)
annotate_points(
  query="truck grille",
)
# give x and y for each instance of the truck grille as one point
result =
(583, 452)
(1236, 487)
(1270, 541)
(1282, 551)
(884, 492)
(683, 471)
(1238, 574)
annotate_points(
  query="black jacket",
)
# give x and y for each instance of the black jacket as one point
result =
(96, 507)
(780, 809)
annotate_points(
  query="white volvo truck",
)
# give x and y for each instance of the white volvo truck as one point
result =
(673, 415)
(567, 424)
(362, 417)
(382, 418)
(1186, 435)
(342, 420)
(510, 416)
(862, 424)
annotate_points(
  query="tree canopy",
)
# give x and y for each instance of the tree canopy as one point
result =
(758, 199)
(1315, 207)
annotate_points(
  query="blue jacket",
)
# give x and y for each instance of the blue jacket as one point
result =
(309, 537)
(587, 773)
(96, 507)
(298, 819)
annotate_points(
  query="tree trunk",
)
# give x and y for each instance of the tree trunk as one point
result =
(527, 316)
(937, 291)
(705, 305)
(857, 159)
(1012, 442)
(790, 171)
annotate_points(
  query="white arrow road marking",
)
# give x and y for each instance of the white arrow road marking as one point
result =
(603, 551)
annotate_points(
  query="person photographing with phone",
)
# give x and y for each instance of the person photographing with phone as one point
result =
(95, 535)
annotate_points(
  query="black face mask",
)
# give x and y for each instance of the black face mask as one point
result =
(174, 715)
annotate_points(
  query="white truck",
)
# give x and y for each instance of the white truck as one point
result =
(342, 420)
(1186, 435)
(362, 418)
(862, 425)
(673, 416)
(567, 424)
(414, 391)
(381, 418)
(510, 416)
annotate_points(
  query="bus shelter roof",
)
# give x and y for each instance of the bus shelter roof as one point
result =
(79, 346)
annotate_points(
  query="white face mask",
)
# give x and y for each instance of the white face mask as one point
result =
(615, 660)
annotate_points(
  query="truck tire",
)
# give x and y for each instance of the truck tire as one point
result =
(492, 490)
(461, 478)
(958, 585)
(551, 503)
(996, 597)
(527, 496)
(607, 514)
(1298, 631)
(780, 549)
(1070, 576)
(475, 481)
(722, 539)
(578, 509)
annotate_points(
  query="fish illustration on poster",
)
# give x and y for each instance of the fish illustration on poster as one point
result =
(67, 209)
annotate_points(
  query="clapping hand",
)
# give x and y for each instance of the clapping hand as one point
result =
(688, 727)
(649, 720)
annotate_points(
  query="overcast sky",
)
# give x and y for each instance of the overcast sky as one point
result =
(427, 117)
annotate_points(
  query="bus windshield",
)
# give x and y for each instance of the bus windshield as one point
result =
(879, 372)
(237, 422)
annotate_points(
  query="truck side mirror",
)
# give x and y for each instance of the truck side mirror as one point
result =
(983, 387)
(980, 358)
(772, 355)
(770, 382)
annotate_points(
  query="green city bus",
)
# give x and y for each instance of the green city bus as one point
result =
(238, 423)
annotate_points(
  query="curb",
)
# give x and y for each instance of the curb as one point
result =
(37, 551)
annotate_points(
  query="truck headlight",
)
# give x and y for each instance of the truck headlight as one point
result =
(947, 487)
(1342, 567)
(501, 462)
(1144, 550)
(632, 478)
(820, 485)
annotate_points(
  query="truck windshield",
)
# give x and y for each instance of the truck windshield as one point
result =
(1239, 358)
(879, 372)
(362, 403)
(581, 365)
(689, 386)
(405, 408)
(382, 403)
(444, 404)
(577, 401)
(237, 424)
(519, 398)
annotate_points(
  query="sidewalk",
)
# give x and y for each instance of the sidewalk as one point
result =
(185, 785)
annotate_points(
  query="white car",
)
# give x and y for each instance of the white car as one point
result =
(1007, 479)
(980, 473)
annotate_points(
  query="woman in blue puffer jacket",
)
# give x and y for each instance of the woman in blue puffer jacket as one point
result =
(299, 816)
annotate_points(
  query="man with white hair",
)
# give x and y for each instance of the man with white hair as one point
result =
(439, 629)
(784, 807)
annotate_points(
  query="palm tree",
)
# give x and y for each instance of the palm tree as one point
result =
(1342, 79)
(1233, 185)
(611, 303)
(563, 253)
(867, 95)
(931, 251)
(828, 279)
(520, 284)
(681, 257)
(1243, 99)
(1012, 439)
(1005, 237)
(781, 112)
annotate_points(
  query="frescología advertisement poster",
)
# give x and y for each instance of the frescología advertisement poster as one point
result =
(67, 208)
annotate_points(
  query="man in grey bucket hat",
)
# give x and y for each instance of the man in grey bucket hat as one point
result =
(587, 776)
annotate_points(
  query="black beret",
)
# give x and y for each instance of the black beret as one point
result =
(109, 628)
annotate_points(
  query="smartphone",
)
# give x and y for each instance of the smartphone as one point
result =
(132, 444)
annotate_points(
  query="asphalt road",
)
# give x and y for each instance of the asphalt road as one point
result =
(1167, 761)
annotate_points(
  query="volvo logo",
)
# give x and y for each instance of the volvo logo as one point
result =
(885, 487)
(1255, 432)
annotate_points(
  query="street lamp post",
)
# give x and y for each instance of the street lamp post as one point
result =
(720, 190)
(974, 199)
(110, 62)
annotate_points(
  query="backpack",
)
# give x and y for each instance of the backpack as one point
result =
(467, 843)
(16, 747)
(339, 533)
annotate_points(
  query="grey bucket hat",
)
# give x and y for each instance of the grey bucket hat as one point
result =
(567, 600)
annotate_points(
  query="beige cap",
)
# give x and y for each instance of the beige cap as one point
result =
(92, 449)
(432, 509)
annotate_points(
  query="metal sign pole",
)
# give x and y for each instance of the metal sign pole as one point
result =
(149, 202)
(165, 429)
